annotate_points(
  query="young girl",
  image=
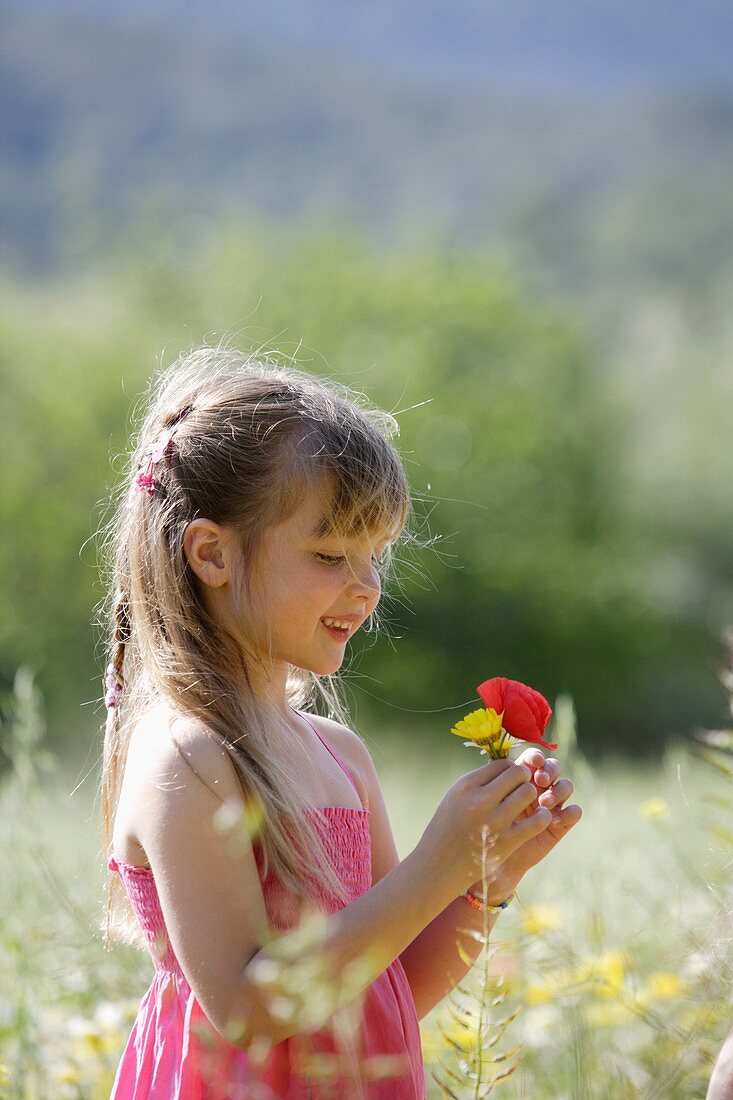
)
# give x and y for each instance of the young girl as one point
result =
(293, 951)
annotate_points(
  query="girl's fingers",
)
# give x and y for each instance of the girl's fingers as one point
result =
(532, 758)
(503, 783)
(513, 805)
(522, 831)
(567, 817)
(548, 773)
(557, 794)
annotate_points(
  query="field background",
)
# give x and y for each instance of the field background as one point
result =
(511, 225)
(616, 957)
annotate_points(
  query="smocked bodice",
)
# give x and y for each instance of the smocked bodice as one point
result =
(345, 833)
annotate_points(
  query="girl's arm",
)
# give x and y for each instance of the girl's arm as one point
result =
(432, 963)
(214, 910)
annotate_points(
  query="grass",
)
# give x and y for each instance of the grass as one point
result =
(616, 956)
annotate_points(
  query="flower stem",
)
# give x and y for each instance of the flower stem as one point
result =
(485, 966)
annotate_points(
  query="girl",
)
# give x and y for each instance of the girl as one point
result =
(293, 951)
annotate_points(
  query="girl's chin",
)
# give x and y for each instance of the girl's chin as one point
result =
(323, 667)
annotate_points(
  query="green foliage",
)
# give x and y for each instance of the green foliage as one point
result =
(513, 438)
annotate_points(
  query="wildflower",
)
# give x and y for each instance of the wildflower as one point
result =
(430, 1042)
(664, 985)
(514, 712)
(462, 1036)
(483, 728)
(605, 973)
(68, 1074)
(541, 918)
(526, 712)
(556, 984)
(608, 1014)
(655, 809)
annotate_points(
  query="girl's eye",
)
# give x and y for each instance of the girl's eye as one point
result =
(338, 559)
(330, 559)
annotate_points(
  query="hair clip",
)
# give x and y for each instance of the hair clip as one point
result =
(114, 685)
(146, 479)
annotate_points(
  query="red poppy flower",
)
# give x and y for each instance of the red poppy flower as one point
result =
(525, 711)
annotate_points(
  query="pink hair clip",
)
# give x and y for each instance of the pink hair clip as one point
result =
(114, 685)
(146, 479)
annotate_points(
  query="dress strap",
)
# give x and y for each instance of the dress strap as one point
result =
(333, 752)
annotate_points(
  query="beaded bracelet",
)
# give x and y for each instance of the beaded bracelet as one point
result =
(483, 906)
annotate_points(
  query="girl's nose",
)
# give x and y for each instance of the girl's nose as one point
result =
(366, 582)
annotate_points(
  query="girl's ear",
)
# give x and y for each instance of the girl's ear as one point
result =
(207, 547)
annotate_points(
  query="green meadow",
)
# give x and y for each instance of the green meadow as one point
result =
(607, 978)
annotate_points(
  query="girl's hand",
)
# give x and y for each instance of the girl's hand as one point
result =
(498, 797)
(551, 792)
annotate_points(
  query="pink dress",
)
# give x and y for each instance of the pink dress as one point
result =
(175, 1053)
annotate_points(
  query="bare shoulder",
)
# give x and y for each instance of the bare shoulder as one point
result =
(354, 751)
(167, 749)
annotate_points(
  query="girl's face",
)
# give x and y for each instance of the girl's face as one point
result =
(312, 591)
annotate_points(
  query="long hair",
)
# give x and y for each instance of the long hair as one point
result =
(252, 438)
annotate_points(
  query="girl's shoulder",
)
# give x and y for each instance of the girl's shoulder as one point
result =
(168, 747)
(169, 760)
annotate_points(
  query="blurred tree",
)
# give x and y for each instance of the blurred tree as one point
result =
(513, 437)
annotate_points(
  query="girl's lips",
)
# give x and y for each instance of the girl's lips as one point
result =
(340, 633)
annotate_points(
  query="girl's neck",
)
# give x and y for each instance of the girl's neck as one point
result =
(270, 685)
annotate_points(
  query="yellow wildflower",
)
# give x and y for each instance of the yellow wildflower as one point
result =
(608, 1014)
(664, 985)
(557, 983)
(68, 1074)
(655, 809)
(541, 918)
(484, 728)
(605, 973)
(432, 1043)
(465, 1038)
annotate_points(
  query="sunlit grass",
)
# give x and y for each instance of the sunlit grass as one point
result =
(616, 954)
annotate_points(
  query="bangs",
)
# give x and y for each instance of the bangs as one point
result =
(358, 475)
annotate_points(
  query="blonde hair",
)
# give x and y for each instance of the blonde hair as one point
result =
(251, 439)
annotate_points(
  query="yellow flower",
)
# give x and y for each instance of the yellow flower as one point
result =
(608, 1014)
(605, 973)
(556, 984)
(664, 985)
(432, 1043)
(68, 1074)
(538, 919)
(464, 1038)
(655, 809)
(484, 728)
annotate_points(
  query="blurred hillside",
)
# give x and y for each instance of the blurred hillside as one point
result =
(594, 146)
